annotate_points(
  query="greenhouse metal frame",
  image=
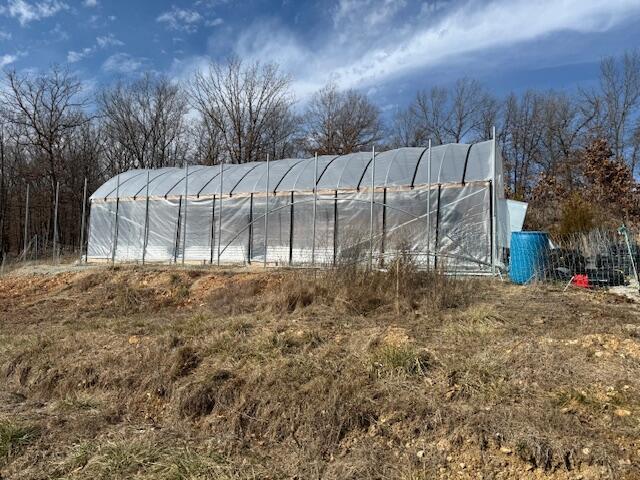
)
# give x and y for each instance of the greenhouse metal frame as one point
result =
(444, 206)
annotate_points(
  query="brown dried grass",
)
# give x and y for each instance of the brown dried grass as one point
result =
(340, 374)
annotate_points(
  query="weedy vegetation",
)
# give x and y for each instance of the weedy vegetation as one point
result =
(344, 373)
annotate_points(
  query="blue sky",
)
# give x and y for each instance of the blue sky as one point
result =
(387, 48)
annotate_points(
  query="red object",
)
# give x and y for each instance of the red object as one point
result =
(581, 281)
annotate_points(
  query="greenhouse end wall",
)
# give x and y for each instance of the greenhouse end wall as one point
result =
(446, 224)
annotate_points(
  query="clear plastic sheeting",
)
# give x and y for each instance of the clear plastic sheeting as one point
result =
(162, 230)
(313, 213)
(102, 230)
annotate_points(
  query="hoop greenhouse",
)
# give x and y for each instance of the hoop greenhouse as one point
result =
(443, 205)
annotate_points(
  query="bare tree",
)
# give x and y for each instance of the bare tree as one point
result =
(247, 107)
(465, 112)
(339, 122)
(565, 130)
(522, 144)
(405, 130)
(43, 109)
(432, 114)
(469, 104)
(143, 123)
(205, 144)
(3, 188)
(616, 103)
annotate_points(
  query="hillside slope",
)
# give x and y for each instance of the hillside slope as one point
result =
(160, 373)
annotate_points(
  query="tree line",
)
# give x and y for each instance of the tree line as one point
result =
(54, 135)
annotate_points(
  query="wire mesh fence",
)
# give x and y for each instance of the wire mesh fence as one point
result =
(596, 259)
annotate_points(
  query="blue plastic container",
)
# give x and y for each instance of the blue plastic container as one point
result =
(528, 253)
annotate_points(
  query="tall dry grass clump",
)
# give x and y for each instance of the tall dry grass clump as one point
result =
(400, 286)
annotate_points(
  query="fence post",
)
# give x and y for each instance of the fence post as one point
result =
(291, 220)
(220, 211)
(55, 226)
(335, 227)
(82, 220)
(373, 193)
(186, 204)
(384, 224)
(114, 243)
(176, 243)
(213, 228)
(266, 216)
(315, 209)
(494, 203)
(429, 207)
(26, 227)
(145, 240)
(435, 247)
(250, 243)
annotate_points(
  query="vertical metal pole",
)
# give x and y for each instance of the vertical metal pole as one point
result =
(384, 223)
(437, 240)
(429, 206)
(291, 220)
(115, 223)
(315, 209)
(82, 220)
(494, 204)
(213, 228)
(266, 215)
(186, 203)
(220, 211)
(335, 227)
(250, 246)
(145, 240)
(373, 193)
(176, 243)
(55, 226)
(26, 227)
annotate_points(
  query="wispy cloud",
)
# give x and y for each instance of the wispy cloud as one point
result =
(357, 55)
(123, 63)
(5, 35)
(90, 3)
(7, 59)
(102, 42)
(181, 19)
(76, 56)
(369, 12)
(108, 40)
(26, 12)
(214, 22)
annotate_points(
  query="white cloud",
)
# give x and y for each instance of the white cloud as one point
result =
(90, 3)
(108, 40)
(123, 63)
(102, 42)
(369, 12)
(73, 56)
(7, 59)
(26, 12)
(354, 55)
(5, 35)
(215, 22)
(181, 19)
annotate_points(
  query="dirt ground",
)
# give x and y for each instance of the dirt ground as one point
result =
(119, 373)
